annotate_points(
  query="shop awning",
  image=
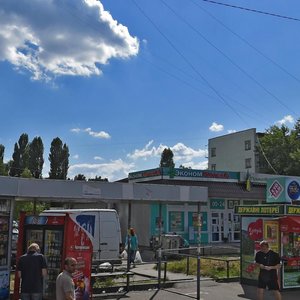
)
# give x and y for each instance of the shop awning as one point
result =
(290, 224)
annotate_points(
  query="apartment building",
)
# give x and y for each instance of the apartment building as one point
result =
(235, 152)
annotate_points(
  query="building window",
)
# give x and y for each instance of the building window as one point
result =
(248, 163)
(232, 203)
(213, 167)
(213, 152)
(247, 145)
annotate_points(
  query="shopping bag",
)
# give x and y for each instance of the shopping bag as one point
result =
(124, 254)
(138, 257)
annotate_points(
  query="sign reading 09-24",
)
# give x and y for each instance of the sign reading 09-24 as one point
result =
(283, 190)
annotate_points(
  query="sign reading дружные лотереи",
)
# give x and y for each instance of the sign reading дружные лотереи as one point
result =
(259, 210)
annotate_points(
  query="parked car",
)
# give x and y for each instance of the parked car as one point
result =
(169, 241)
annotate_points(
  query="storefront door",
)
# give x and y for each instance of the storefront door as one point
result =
(217, 226)
(233, 227)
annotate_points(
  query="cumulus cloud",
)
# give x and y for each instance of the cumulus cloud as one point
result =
(98, 158)
(112, 170)
(216, 127)
(285, 120)
(231, 130)
(96, 134)
(181, 152)
(76, 156)
(68, 37)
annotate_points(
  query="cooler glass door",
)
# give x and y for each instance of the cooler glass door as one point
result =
(53, 253)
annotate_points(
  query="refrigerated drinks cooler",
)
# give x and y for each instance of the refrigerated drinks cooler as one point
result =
(5, 236)
(58, 238)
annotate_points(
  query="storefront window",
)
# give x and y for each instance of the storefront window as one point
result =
(176, 221)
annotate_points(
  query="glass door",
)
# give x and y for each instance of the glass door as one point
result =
(217, 226)
(53, 253)
(234, 227)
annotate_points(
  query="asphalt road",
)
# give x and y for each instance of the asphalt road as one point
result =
(209, 290)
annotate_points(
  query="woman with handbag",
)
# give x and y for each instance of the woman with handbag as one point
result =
(269, 264)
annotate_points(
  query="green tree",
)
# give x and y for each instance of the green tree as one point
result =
(59, 159)
(26, 173)
(279, 150)
(98, 178)
(80, 177)
(29, 206)
(2, 165)
(166, 159)
(20, 156)
(36, 159)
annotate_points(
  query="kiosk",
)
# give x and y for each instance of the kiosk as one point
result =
(280, 226)
(277, 223)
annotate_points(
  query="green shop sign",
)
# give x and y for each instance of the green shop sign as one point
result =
(185, 173)
(259, 210)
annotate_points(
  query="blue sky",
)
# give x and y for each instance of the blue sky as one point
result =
(118, 81)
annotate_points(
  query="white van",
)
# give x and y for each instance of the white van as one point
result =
(103, 228)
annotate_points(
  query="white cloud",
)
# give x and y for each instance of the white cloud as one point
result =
(98, 158)
(216, 127)
(199, 165)
(76, 156)
(113, 170)
(99, 134)
(68, 37)
(181, 152)
(231, 130)
(76, 130)
(285, 120)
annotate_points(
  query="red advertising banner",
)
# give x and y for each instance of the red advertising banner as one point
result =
(255, 230)
(79, 246)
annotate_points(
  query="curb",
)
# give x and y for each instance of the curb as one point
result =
(117, 291)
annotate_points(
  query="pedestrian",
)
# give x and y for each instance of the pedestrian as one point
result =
(133, 245)
(65, 287)
(31, 268)
(269, 264)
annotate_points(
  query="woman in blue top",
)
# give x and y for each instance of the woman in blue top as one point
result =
(133, 244)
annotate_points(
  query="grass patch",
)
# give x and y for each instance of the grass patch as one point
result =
(208, 267)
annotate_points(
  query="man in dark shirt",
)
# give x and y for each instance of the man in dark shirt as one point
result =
(269, 264)
(31, 269)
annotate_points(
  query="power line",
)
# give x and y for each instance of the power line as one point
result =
(228, 58)
(187, 61)
(253, 10)
(247, 42)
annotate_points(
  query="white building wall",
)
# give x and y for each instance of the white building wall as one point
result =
(230, 153)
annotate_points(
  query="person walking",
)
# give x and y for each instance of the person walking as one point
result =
(269, 264)
(65, 287)
(133, 245)
(31, 268)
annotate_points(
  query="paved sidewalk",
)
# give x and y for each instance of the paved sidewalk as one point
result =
(209, 290)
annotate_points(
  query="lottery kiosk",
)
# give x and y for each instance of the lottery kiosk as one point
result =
(278, 222)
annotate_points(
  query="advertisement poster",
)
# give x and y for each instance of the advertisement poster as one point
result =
(254, 230)
(271, 234)
(176, 221)
(79, 246)
(4, 285)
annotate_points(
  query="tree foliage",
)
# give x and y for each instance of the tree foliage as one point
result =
(29, 206)
(80, 177)
(2, 165)
(166, 159)
(98, 178)
(59, 159)
(36, 157)
(279, 150)
(20, 156)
